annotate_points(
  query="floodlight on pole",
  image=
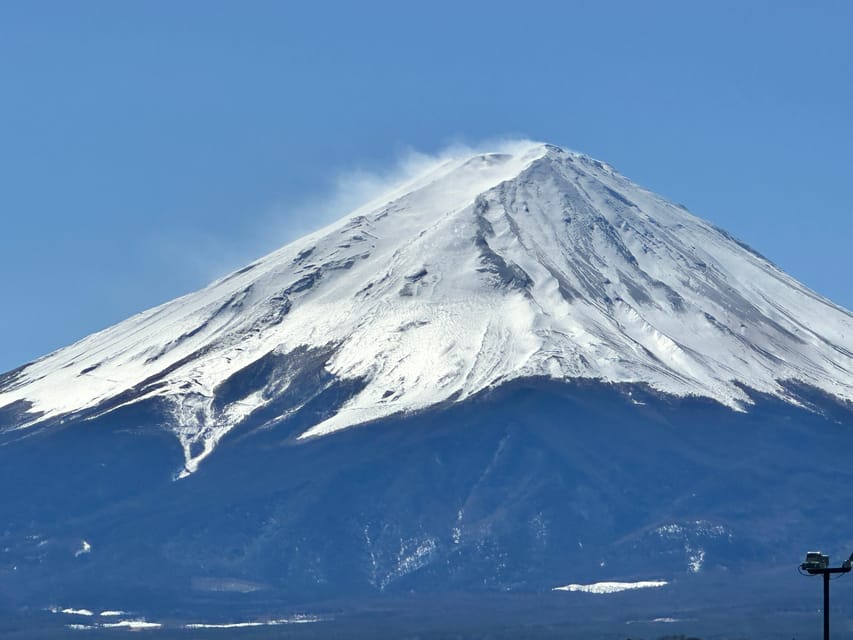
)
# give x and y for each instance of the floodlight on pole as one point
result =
(817, 564)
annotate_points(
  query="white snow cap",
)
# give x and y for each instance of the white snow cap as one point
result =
(488, 267)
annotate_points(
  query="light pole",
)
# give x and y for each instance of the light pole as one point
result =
(817, 564)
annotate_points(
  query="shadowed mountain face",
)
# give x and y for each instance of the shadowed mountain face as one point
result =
(522, 489)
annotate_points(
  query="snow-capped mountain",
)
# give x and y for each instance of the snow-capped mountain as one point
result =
(484, 269)
(569, 381)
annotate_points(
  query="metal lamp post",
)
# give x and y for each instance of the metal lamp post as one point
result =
(817, 564)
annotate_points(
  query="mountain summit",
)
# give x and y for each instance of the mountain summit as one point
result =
(484, 269)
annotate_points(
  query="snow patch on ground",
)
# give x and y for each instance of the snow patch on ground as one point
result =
(612, 587)
(75, 612)
(107, 613)
(695, 558)
(131, 624)
(694, 528)
(297, 619)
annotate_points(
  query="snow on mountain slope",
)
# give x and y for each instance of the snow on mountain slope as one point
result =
(486, 268)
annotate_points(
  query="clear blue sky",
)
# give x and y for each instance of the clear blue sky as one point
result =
(147, 147)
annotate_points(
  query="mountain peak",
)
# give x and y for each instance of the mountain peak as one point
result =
(487, 267)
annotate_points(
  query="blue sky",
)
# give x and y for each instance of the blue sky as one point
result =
(148, 147)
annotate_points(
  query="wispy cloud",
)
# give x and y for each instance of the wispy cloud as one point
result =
(288, 219)
(354, 187)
